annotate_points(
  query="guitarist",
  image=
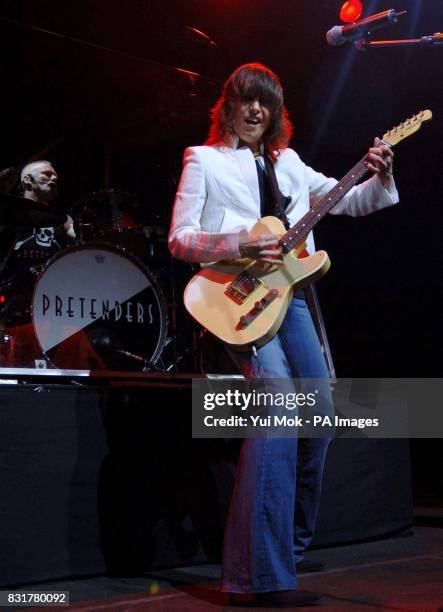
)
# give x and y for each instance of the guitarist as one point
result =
(224, 189)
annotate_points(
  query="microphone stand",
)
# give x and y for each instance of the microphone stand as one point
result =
(425, 41)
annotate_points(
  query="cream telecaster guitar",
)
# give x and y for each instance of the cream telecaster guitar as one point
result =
(243, 302)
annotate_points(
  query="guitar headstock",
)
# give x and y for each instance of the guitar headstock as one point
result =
(408, 127)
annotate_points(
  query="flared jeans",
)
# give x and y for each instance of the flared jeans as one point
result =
(275, 501)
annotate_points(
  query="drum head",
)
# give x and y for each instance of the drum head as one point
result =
(95, 307)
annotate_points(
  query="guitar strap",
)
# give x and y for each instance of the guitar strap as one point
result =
(277, 195)
(310, 290)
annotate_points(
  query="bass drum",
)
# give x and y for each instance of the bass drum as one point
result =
(96, 307)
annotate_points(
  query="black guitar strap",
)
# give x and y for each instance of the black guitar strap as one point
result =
(277, 195)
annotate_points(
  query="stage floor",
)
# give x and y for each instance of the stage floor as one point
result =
(404, 573)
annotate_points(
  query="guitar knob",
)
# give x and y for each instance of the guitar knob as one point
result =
(243, 322)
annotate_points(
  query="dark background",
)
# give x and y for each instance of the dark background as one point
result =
(122, 116)
(119, 115)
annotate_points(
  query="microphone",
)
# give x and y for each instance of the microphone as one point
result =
(341, 34)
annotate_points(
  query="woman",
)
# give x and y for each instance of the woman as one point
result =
(223, 191)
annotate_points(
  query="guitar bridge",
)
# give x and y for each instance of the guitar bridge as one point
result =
(242, 287)
(259, 306)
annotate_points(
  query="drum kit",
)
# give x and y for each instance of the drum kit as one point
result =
(103, 303)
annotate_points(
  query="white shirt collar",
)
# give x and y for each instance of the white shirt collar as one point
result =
(231, 140)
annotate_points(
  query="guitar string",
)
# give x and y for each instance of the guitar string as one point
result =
(302, 228)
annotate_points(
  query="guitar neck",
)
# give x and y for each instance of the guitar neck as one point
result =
(301, 229)
(297, 234)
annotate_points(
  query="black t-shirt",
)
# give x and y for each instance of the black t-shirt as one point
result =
(35, 247)
(31, 250)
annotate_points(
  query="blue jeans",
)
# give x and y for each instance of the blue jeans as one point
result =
(276, 495)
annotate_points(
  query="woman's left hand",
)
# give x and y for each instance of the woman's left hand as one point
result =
(380, 159)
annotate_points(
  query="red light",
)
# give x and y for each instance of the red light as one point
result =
(351, 11)
(2, 299)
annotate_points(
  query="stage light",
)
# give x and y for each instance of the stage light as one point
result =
(154, 588)
(351, 11)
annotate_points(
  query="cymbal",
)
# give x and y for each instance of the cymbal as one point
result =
(21, 212)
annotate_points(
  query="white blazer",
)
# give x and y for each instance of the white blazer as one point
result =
(218, 196)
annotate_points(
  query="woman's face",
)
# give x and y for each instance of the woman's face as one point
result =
(251, 120)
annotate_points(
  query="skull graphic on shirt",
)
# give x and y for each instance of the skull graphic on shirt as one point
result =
(44, 236)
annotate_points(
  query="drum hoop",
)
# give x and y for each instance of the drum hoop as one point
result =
(118, 251)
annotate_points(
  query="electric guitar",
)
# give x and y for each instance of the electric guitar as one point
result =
(243, 302)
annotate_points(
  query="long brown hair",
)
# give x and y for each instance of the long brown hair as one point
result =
(252, 81)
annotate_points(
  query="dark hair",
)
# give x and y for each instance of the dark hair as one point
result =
(252, 81)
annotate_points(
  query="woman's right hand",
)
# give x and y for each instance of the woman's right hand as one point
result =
(263, 248)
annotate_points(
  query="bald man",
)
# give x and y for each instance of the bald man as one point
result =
(30, 251)
(40, 184)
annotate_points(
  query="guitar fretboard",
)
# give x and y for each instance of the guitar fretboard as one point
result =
(301, 229)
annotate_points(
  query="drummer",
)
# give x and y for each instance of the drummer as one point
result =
(39, 183)
(31, 248)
